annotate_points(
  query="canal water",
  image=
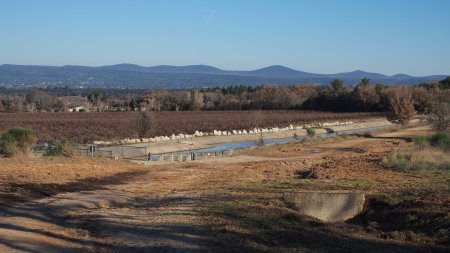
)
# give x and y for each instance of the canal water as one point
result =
(249, 144)
(242, 144)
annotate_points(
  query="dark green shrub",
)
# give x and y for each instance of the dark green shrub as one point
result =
(440, 140)
(16, 140)
(7, 147)
(311, 131)
(421, 141)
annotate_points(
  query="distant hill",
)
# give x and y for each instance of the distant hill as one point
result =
(192, 76)
(199, 69)
(359, 74)
(283, 72)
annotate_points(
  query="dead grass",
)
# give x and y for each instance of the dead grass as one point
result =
(424, 160)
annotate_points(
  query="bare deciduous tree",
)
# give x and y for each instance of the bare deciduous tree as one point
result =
(439, 115)
(401, 108)
(39, 100)
(98, 100)
(422, 99)
(143, 124)
(366, 95)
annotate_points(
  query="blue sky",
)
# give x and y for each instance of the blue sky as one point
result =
(321, 36)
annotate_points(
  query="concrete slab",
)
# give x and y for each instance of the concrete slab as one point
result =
(327, 206)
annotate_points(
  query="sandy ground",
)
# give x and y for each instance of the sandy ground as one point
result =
(100, 205)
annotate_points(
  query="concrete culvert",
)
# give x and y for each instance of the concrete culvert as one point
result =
(326, 206)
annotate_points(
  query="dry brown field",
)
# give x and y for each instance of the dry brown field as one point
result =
(87, 127)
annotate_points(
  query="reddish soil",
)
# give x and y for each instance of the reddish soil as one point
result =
(230, 204)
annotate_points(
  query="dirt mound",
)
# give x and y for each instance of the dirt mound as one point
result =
(353, 166)
(419, 220)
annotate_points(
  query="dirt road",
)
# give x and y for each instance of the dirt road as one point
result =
(91, 205)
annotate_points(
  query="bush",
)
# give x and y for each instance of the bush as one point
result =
(7, 146)
(398, 161)
(440, 140)
(421, 141)
(401, 108)
(439, 116)
(16, 140)
(61, 148)
(439, 109)
(311, 131)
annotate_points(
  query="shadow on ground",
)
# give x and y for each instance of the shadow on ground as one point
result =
(19, 192)
(178, 222)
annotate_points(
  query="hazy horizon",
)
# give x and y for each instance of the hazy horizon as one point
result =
(388, 37)
(244, 70)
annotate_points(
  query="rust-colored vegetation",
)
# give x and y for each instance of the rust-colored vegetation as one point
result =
(86, 127)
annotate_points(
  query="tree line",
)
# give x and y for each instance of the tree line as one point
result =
(336, 97)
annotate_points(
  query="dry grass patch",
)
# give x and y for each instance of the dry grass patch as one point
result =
(425, 160)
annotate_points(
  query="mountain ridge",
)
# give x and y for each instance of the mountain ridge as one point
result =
(127, 75)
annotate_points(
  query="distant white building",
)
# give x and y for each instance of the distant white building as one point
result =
(77, 109)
